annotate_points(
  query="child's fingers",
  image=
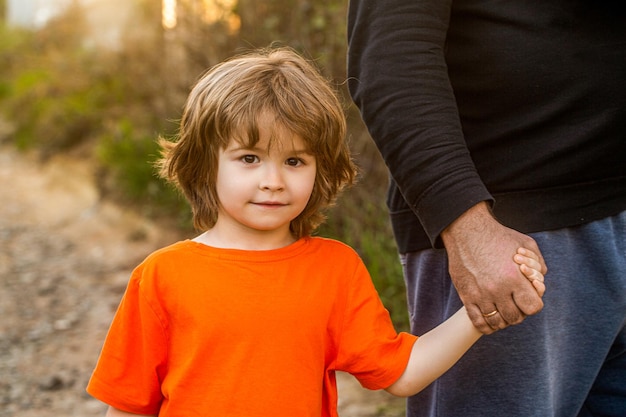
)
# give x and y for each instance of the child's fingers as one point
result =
(529, 266)
(540, 287)
(528, 253)
(532, 267)
(536, 256)
(531, 273)
(535, 277)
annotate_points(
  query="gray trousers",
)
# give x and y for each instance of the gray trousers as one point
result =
(567, 361)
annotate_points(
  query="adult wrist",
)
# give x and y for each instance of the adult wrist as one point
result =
(472, 220)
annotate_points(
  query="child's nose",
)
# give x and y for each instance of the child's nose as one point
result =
(272, 178)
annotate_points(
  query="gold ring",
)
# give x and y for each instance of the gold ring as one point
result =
(493, 313)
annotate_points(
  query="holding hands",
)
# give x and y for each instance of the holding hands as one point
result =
(530, 266)
(438, 349)
(492, 284)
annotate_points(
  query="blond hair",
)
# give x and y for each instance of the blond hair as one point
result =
(226, 103)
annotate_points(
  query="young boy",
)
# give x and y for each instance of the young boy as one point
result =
(254, 316)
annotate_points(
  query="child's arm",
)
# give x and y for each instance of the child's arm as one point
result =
(114, 412)
(436, 351)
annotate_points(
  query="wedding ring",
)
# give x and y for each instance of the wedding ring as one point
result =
(493, 313)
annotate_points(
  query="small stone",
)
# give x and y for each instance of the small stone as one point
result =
(62, 324)
(52, 383)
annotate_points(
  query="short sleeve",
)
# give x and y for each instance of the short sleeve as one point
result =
(370, 348)
(130, 368)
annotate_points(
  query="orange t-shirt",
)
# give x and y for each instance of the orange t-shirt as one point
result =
(203, 331)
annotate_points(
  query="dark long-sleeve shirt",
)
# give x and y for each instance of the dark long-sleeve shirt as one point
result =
(518, 102)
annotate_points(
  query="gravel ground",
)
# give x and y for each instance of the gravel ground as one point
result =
(65, 257)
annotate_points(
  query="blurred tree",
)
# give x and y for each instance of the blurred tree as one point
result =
(316, 28)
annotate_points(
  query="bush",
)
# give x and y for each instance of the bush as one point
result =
(129, 158)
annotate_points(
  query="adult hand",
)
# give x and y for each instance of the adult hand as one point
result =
(480, 253)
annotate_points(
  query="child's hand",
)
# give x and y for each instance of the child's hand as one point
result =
(528, 262)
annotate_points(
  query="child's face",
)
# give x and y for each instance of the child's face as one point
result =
(261, 190)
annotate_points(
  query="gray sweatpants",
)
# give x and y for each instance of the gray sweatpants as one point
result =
(567, 361)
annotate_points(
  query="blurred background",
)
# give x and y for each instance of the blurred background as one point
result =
(86, 86)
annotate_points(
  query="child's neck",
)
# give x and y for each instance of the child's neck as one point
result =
(252, 241)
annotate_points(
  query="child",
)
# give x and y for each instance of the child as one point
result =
(254, 316)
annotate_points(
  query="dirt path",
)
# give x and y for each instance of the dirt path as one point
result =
(65, 257)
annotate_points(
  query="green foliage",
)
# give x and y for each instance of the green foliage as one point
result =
(129, 157)
(65, 112)
(123, 152)
(49, 93)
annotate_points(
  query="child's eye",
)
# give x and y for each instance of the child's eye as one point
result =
(249, 159)
(294, 162)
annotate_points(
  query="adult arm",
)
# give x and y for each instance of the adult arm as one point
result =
(398, 77)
